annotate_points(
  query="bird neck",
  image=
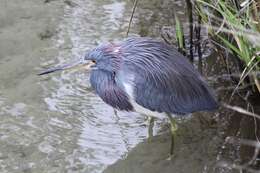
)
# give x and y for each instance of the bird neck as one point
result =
(103, 82)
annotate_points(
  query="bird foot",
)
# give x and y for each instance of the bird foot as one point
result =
(169, 158)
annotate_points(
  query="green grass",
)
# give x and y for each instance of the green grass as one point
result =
(236, 29)
(179, 35)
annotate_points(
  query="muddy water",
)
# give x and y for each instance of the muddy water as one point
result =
(57, 124)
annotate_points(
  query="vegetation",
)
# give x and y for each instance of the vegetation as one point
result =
(235, 26)
(234, 29)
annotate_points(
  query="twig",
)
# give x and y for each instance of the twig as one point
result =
(247, 142)
(231, 88)
(237, 167)
(240, 110)
(256, 81)
(244, 75)
(132, 15)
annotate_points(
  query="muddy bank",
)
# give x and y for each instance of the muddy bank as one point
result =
(195, 151)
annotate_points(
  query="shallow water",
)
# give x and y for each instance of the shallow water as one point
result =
(56, 123)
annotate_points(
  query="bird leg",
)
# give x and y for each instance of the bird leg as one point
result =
(150, 127)
(174, 128)
(115, 112)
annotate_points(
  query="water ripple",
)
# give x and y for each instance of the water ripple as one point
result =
(96, 135)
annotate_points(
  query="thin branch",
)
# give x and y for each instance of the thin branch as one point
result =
(131, 19)
(237, 167)
(247, 142)
(240, 110)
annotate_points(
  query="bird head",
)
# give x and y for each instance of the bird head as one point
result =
(104, 57)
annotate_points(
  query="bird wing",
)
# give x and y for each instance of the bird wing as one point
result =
(164, 79)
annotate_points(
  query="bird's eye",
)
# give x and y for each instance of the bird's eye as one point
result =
(94, 61)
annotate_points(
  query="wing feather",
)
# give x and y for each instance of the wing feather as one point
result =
(165, 81)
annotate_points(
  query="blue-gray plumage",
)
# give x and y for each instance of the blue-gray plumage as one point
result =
(106, 87)
(150, 74)
(146, 76)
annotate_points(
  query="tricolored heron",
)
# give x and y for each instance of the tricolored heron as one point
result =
(147, 76)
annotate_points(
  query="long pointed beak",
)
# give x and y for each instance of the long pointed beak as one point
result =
(72, 66)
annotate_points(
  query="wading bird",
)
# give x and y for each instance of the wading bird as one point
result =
(146, 76)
